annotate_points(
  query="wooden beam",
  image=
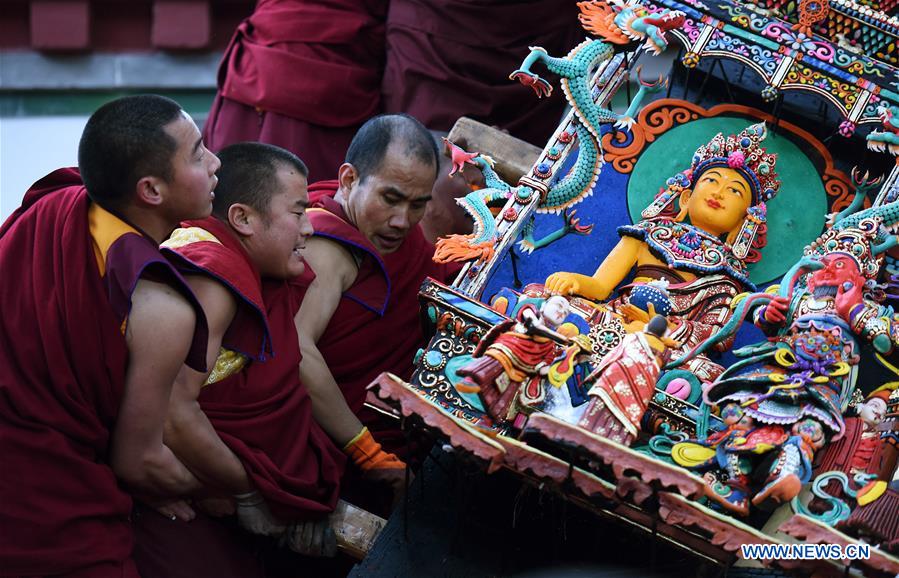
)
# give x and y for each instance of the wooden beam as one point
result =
(514, 157)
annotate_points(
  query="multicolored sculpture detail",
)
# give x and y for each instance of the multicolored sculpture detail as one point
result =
(888, 138)
(698, 235)
(627, 24)
(793, 388)
(511, 360)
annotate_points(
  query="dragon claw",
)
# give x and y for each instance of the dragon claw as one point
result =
(651, 87)
(541, 87)
(625, 122)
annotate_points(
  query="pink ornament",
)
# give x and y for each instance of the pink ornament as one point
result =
(678, 387)
(736, 159)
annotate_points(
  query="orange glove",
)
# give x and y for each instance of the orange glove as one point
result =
(367, 454)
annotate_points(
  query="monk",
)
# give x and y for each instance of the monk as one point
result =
(245, 427)
(95, 326)
(449, 58)
(360, 316)
(303, 76)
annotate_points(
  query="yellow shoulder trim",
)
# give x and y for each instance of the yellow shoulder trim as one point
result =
(105, 229)
(186, 236)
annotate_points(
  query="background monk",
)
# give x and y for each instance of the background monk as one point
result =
(245, 428)
(452, 58)
(360, 314)
(94, 328)
(303, 76)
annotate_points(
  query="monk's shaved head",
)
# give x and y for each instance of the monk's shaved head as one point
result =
(249, 176)
(369, 147)
(124, 141)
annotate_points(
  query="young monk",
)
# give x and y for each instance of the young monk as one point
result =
(95, 326)
(245, 427)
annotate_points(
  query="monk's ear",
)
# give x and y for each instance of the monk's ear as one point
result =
(347, 176)
(149, 191)
(240, 217)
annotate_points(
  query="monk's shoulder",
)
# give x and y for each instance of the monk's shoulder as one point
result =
(332, 261)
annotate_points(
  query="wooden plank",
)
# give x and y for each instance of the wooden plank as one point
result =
(356, 529)
(514, 157)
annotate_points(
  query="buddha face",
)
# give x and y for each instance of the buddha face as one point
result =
(719, 201)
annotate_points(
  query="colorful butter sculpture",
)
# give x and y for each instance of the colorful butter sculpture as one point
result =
(796, 385)
(697, 237)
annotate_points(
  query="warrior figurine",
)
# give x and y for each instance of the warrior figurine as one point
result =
(512, 358)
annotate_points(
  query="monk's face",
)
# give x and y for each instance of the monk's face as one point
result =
(387, 204)
(280, 234)
(188, 194)
(719, 201)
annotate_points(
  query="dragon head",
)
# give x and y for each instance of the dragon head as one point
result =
(622, 23)
(887, 139)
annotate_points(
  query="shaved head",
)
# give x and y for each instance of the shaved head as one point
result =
(369, 147)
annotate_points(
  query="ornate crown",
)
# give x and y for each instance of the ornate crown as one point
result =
(743, 153)
(855, 241)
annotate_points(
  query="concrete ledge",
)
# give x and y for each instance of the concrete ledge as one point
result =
(29, 70)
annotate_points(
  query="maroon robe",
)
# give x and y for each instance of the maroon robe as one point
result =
(452, 58)
(303, 76)
(263, 412)
(63, 358)
(376, 326)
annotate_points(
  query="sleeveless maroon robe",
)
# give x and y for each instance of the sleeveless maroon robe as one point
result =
(452, 58)
(263, 412)
(303, 76)
(376, 326)
(63, 359)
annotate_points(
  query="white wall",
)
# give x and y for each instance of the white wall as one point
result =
(31, 147)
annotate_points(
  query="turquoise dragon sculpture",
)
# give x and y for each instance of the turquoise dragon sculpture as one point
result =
(621, 24)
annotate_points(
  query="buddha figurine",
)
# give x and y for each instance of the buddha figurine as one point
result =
(698, 235)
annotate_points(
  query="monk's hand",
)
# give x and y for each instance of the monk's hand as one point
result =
(254, 515)
(376, 464)
(311, 538)
(173, 509)
(564, 283)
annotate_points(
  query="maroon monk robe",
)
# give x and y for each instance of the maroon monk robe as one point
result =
(449, 58)
(263, 412)
(303, 76)
(63, 358)
(376, 326)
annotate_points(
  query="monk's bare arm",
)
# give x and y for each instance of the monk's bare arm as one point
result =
(335, 272)
(159, 333)
(188, 431)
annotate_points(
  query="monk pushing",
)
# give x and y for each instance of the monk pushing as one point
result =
(95, 326)
(359, 316)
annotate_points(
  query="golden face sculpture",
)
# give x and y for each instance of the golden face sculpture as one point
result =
(718, 202)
